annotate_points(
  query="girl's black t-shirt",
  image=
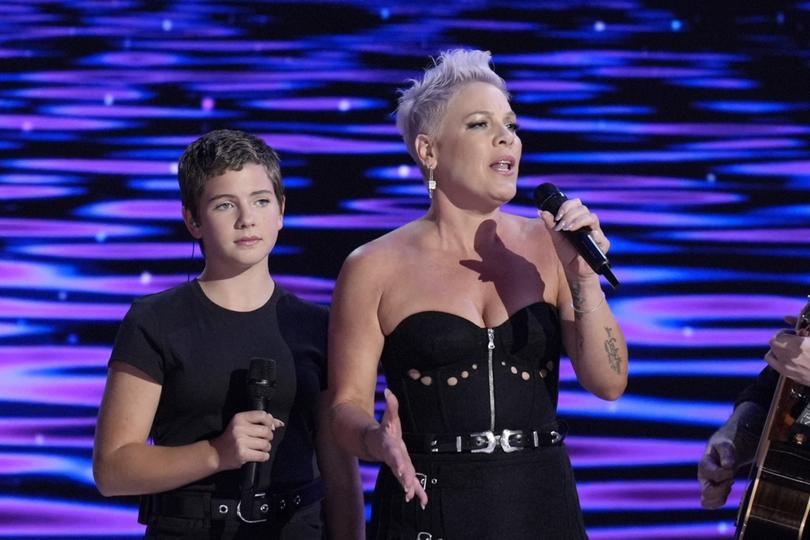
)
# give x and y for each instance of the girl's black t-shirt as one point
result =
(200, 353)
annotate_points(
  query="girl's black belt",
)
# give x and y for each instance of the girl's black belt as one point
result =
(207, 506)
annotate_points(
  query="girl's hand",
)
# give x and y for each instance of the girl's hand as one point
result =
(247, 438)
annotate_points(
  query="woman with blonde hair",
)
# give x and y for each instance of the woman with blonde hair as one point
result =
(468, 308)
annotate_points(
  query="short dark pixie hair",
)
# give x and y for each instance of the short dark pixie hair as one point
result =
(217, 152)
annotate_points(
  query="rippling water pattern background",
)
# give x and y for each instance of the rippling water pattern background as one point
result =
(683, 124)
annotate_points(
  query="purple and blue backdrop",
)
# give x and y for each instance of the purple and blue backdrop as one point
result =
(683, 124)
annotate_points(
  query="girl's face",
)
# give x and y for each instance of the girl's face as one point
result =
(239, 218)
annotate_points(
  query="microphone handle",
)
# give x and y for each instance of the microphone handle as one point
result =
(248, 482)
(251, 468)
(593, 256)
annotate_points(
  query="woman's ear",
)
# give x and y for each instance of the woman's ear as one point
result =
(425, 150)
(191, 224)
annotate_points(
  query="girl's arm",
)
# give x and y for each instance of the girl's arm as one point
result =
(124, 463)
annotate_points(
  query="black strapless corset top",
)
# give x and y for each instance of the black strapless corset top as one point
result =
(453, 376)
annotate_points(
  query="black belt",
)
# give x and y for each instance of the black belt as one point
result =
(510, 440)
(206, 506)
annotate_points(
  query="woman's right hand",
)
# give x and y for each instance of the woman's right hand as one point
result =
(385, 442)
(573, 216)
(247, 438)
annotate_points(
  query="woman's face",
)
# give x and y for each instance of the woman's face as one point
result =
(477, 149)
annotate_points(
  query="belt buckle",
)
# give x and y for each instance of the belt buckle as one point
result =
(503, 439)
(492, 442)
(265, 508)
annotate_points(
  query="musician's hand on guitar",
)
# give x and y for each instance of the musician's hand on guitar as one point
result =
(716, 470)
(790, 356)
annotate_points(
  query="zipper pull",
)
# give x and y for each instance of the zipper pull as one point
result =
(491, 336)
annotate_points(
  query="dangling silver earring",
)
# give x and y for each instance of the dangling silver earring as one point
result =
(431, 183)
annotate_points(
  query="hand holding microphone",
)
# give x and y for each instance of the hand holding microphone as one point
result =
(578, 225)
(261, 385)
(247, 438)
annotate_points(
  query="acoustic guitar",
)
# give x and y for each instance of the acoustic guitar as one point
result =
(777, 503)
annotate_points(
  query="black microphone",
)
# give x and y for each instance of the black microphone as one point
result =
(261, 384)
(547, 197)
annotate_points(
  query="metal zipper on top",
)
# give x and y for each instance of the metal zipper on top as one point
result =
(490, 348)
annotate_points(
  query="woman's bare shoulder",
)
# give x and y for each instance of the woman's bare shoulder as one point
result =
(526, 226)
(385, 252)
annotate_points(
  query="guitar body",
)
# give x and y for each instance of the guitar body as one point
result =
(777, 503)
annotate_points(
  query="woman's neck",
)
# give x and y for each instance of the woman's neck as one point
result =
(463, 230)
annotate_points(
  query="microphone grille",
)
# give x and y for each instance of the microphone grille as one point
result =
(262, 371)
(547, 197)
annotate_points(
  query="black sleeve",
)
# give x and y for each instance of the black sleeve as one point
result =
(761, 390)
(137, 342)
(304, 326)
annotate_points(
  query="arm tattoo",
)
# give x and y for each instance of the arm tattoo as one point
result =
(614, 359)
(576, 300)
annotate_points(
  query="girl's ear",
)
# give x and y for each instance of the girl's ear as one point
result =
(191, 224)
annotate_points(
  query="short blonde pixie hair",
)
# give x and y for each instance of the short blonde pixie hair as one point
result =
(422, 105)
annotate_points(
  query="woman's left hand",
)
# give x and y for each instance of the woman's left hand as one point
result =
(395, 453)
(573, 216)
